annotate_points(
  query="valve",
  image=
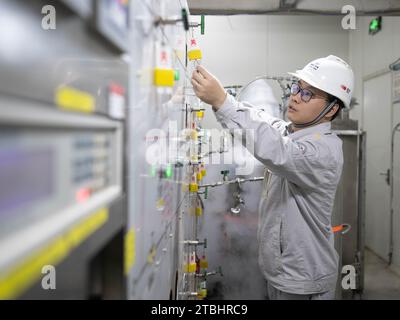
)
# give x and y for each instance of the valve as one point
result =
(218, 271)
(202, 24)
(177, 74)
(196, 243)
(197, 109)
(188, 294)
(202, 290)
(211, 273)
(225, 174)
(168, 172)
(184, 18)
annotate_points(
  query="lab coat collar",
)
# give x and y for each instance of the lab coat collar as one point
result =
(319, 128)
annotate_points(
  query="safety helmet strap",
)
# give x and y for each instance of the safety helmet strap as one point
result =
(327, 108)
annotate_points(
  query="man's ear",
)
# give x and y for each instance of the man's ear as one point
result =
(333, 111)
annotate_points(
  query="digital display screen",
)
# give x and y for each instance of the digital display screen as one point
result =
(25, 176)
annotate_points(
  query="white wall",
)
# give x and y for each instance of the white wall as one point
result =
(369, 54)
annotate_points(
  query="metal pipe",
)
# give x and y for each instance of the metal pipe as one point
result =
(391, 246)
(279, 79)
(290, 12)
(237, 180)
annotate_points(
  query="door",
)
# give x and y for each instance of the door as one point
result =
(377, 116)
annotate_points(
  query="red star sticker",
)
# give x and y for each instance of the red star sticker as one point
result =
(163, 56)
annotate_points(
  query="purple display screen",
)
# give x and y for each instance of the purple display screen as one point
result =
(25, 176)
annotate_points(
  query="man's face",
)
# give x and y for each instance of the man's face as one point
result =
(303, 112)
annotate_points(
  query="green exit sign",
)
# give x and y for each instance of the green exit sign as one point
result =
(375, 25)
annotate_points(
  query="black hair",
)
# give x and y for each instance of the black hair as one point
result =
(339, 102)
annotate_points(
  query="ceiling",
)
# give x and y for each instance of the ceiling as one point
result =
(331, 7)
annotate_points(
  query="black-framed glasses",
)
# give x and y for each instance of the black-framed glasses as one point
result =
(305, 94)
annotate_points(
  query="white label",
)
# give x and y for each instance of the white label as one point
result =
(116, 105)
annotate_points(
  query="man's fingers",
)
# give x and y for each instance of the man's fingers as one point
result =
(203, 72)
(198, 77)
(195, 84)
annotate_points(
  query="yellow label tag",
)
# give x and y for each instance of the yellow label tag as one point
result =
(192, 267)
(22, 276)
(193, 187)
(194, 134)
(200, 114)
(199, 176)
(164, 77)
(160, 204)
(194, 54)
(202, 294)
(151, 255)
(130, 250)
(71, 99)
(199, 211)
(203, 263)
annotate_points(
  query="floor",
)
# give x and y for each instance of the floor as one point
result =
(380, 282)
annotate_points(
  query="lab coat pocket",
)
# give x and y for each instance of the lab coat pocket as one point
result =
(293, 255)
(276, 243)
(270, 248)
(283, 236)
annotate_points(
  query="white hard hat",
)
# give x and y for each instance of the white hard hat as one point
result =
(260, 95)
(332, 75)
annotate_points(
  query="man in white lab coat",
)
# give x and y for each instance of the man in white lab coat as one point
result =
(303, 160)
